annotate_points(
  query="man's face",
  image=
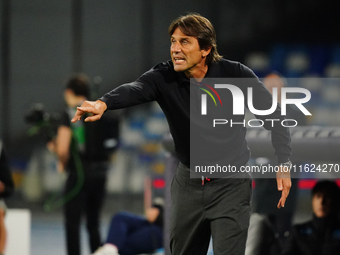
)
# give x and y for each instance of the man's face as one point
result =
(321, 204)
(71, 99)
(186, 54)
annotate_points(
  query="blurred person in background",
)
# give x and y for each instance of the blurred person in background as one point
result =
(6, 189)
(82, 156)
(321, 235)
(131, 234)
(276, 80)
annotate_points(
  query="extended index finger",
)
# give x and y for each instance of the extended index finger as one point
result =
(77, 116)
(284, 185)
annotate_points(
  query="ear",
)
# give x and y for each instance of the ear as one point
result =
(205, 52)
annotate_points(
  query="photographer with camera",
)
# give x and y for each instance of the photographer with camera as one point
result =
(82, 156)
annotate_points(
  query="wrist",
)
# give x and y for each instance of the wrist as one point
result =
(102, 105)
(286, 165)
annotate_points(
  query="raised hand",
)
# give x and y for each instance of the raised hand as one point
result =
(95, 108)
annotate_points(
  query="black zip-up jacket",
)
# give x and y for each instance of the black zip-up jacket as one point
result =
(320, 236)
(171, 90)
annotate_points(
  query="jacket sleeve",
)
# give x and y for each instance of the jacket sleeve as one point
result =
(143, 90)
(263, 100)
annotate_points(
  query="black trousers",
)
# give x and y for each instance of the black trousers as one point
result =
(88, 201)
(220, 208)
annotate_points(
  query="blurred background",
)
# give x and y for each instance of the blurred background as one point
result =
(43, 42)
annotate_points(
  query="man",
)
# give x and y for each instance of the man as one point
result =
(321, 235)
(221, 207)
(82, 156)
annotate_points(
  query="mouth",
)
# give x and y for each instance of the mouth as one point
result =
(178, 60)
